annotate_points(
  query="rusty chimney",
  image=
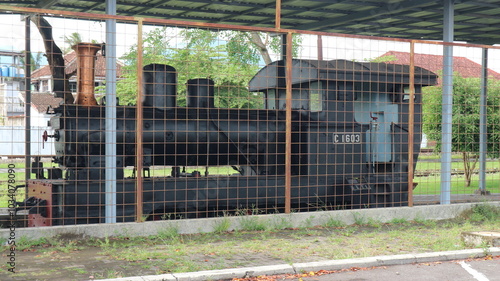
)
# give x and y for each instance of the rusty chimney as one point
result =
(86, 57)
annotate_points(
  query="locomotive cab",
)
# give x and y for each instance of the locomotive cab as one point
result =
(352, 123)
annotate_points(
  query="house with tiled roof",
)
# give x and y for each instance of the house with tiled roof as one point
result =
(461, 65)
(12, 131)
(42, 82)
(42, 97)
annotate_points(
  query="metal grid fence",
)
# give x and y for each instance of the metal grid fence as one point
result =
(216, 120)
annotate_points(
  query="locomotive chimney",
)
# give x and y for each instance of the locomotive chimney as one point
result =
(85, 57)
(160, 83)
(200, 93)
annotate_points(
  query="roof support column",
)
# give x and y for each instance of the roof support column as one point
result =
(483, 149)
(447, 103)
(110, 122)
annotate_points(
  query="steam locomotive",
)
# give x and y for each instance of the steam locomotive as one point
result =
(349, 145)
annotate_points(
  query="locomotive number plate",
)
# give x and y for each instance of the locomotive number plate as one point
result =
(347, 138)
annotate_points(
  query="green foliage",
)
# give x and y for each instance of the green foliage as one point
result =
(230, 58)
(465, 129)
(249, 221)
(170, 235)
(35, 60)
(359, 219)
(485, 212)
(331, 222)
(222, 225)
(465, 118)
(391, 58)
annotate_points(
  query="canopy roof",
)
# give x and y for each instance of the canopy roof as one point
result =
(476, 21)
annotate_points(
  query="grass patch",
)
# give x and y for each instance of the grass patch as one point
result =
(222, 225)
(482, 212)
(432, 184)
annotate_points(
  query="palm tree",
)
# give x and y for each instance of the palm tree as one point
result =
(35, 61)
(71, 40)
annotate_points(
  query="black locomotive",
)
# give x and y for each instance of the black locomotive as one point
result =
(349, 145)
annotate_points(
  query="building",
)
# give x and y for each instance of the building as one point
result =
(11, 85)
(13, 97)
(42, 81)
(461, 65)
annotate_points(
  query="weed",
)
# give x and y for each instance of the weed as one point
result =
(308, 222)
(252, 223)
(170, 235)
(359, 219)
(222, 225)
(425, 222)
(347, 232)
(374, 223)
(331, 222)
(78, 270)
(25, 243)
(281, 222)
(68, 247)
(170, 216)
(485, 245)
(484, 212)
(401, 221)
(249, 220)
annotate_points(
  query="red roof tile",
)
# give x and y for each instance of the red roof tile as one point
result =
(42, 101)
(461, 65)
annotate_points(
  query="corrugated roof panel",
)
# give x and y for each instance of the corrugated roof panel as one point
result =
(321, 15)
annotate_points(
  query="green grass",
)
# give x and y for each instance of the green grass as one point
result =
(432, 184)
(458, 166)
(437, 156)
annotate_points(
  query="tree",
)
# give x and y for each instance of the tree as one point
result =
(465, 127)
(73, 39)
(230, 58)
(35, 60)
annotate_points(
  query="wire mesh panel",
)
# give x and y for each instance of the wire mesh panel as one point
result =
(221, 121)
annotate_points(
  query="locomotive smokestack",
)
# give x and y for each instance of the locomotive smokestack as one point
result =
(200, 93)
(85, 57)
(160, 82)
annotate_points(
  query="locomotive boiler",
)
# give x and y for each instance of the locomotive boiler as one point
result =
(349, 145)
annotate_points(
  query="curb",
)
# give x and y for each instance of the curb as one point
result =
(225, 274)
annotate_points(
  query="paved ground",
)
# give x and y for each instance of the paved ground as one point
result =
(463, 270)
(460, 265)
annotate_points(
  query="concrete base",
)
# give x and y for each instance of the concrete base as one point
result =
(481, 238)
(189, 226)
(482, 192)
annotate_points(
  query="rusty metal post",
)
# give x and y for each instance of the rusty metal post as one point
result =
(277, 15)
(320, 47)
(411, 125)
(288, 139)
(139, 129)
